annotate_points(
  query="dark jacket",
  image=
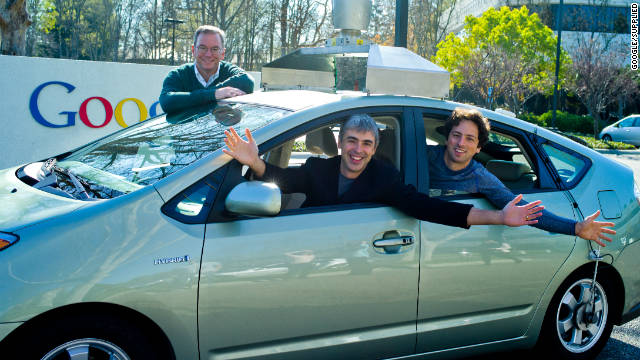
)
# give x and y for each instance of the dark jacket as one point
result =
(181, 89)
(379, 182)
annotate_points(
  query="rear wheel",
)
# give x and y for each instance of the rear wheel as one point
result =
(577, 324)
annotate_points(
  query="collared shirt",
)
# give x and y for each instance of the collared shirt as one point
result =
(201, 78)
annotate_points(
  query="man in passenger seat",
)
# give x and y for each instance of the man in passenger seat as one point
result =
(354, 176)
(452, 167)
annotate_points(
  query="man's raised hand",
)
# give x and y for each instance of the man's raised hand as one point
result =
(514, 215)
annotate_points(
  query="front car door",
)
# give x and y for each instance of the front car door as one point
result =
(483, 284)
(309, 283)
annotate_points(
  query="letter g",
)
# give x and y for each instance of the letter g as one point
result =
(35, 112)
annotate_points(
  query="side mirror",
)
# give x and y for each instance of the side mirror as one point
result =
(255, 198)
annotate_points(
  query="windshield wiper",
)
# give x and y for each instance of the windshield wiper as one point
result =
(48, 169)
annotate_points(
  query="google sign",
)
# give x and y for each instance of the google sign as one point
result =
(109, 111)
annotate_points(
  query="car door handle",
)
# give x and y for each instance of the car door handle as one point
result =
(395, 241)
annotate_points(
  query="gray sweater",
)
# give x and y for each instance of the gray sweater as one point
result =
(475, 178)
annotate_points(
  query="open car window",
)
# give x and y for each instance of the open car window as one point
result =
(322, 141)
(504, 156)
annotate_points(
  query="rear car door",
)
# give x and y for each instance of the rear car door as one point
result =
(483, 284)
(309, 283)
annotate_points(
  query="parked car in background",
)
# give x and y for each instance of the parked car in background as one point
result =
(151, 243)
(626, 130)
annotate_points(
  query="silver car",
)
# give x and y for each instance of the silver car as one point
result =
(626, 130)
(151, 243)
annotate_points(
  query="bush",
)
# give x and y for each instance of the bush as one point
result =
(565, 122)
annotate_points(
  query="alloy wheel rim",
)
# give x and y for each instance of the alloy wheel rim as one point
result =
(82, 349)
(579, 324)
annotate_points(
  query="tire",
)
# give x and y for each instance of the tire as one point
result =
(606, 137)
(567, 331)
(102, 336)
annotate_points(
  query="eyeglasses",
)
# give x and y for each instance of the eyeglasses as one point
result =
(214, 50)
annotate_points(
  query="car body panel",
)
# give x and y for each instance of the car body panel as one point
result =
(23, 205)
(463, 300)
(270, 286)
(109, 253)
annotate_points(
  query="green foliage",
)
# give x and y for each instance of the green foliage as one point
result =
(599, 144)
(45, 19)
(299, 146)
(511, 51)
(564, 121)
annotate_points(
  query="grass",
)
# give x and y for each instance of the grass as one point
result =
(600, 144)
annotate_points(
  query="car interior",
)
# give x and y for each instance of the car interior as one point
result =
(503, 156)
(323, 142)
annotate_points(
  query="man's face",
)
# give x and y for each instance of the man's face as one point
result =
(357, 148)
(208, 52)
(462, 145)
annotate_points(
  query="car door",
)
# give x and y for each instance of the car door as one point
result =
(309, 283)
(483, 284)
(623, 130)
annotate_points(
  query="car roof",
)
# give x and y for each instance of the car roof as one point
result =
(293, 100)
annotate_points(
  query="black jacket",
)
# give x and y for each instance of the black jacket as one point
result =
(379, 182)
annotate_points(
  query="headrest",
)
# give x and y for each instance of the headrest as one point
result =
(507, 170)
(322, 141)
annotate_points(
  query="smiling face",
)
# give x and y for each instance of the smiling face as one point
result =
(357, 148)
(207, 59)
(462, 145)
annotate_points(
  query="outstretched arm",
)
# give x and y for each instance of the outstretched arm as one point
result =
(589, 229)
(245, 151)
(510, 215)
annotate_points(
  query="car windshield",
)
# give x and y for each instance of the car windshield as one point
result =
(145, 153)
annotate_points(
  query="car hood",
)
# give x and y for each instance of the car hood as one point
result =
(22, 205)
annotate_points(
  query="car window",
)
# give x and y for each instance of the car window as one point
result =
(569, 165)
(626, 123)
(322, 142)
(504, 156)
(636, 122)
(143, 154)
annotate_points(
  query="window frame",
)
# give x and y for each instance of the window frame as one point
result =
(545, 180)
(407, 158)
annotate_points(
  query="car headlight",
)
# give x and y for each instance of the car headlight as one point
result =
(7, 240)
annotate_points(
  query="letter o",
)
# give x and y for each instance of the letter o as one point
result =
(141, 108)
(107, 109)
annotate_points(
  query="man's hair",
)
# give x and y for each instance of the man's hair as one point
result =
(208, 29)
(460, 114)
(360, 123)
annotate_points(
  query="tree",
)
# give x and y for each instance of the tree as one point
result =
(14, 21)
(598, 78)
(428, 22)
(510, 51)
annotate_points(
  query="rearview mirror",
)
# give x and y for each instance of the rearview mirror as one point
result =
(254, 198)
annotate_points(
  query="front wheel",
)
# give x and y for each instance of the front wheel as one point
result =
(577, 324)
(87, 336)
(606, 138)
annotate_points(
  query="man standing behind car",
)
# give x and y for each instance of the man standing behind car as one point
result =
(354, 176)
(208, 79)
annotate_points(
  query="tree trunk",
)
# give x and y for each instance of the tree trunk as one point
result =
(14, 21)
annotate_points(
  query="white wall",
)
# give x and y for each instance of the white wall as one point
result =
(24, 139)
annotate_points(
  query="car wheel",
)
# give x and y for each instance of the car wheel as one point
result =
(91, 337)
(577, 324)
(606, 137)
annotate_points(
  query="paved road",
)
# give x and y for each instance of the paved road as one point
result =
(624, 343)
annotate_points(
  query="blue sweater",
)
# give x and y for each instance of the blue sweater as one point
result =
(475, 178)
